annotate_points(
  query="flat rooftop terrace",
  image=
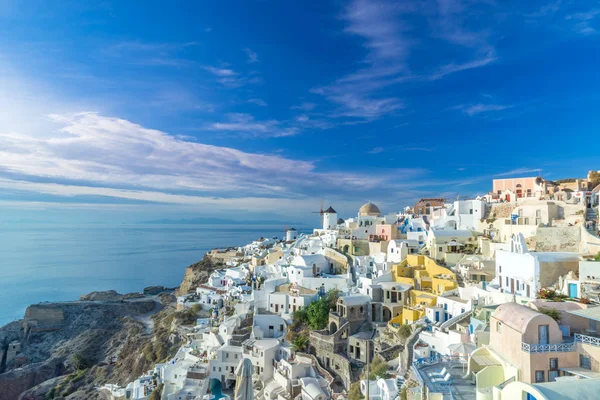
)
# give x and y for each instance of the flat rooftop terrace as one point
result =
(460, 388)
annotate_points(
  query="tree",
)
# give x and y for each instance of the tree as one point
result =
(300, 343)
(594, 178)
(354, 393)
(377, 369)
(156, 393)
(597, 257)
(404, 331)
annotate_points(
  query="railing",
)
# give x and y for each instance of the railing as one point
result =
(560, 347)
(506, 382)
(594, 341)
(546, 348)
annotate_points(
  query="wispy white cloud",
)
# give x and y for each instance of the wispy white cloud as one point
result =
(451, 68)
(304, 107)
(390, 33)
(223, 72)
(519, 171)
(252, 56)
(474, 109)
(583, 21)
(246, 124)
(258, 102)
(150, 53)
(230, 78)
(93, 155)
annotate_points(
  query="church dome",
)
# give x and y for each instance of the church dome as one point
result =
(369, 209)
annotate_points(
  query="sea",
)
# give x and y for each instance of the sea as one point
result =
(49, 262)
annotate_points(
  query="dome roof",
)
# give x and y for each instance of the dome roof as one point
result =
(369, 209)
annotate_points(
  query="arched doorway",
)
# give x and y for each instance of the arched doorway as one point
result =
(333, 328)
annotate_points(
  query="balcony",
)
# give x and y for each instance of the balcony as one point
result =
(561, 347)
(548, 348)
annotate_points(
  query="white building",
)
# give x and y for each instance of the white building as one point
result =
(449, 245)
(223, 366)
(460, 215)
(398, 250)
(268, 327)
(329, 219)
(521, 272)
(312, 389)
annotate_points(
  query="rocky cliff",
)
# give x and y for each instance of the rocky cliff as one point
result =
(197, 274)
(69, 348)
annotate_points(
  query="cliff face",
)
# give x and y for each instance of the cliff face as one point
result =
(197, 274)
(68, 348)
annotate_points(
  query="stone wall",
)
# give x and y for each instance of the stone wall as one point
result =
(566, 238)
(43, 317)
(339, 259)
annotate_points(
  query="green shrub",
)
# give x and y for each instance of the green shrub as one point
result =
(404, 331)
(80, 362)
(552, 313)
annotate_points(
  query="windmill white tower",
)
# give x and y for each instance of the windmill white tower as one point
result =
(329, 219)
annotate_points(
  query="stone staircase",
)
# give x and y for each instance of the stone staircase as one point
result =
(591, 215)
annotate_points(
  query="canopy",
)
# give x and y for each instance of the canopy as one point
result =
(592, 313)
(243, 381)
(462, 348)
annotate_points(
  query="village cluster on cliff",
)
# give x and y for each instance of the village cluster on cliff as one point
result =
(490, 297)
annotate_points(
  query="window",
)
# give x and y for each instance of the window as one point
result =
(440, 249)
(280, 328)
(526, 221)
(471, 211)
(554, 363)
(271, 327)
(539, 376)
(507, 281)
(585, 362)
(499, 327)
(500, 268)
(226, 355)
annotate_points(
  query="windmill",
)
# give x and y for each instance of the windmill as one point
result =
(320, 212)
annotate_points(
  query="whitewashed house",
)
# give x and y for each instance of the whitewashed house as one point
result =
(398, 250)
(523, 272)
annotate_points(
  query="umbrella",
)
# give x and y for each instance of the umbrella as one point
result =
(463, 349)
(243, 381)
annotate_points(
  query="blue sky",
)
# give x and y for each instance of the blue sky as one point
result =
(135, 110)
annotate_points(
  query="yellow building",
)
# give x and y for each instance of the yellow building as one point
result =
(428, 281)
(424, 274)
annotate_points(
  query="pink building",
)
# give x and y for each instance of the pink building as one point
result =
(513, 188)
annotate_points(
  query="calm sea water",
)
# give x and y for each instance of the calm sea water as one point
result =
(56, 263)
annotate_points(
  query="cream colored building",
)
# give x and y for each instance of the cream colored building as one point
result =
(529, 347)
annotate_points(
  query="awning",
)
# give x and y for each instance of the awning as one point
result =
(485, 359)
(583, 372)
(592, 313)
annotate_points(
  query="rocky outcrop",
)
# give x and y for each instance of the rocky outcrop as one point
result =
(17, 381)
(197, 274)
(96, 330)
